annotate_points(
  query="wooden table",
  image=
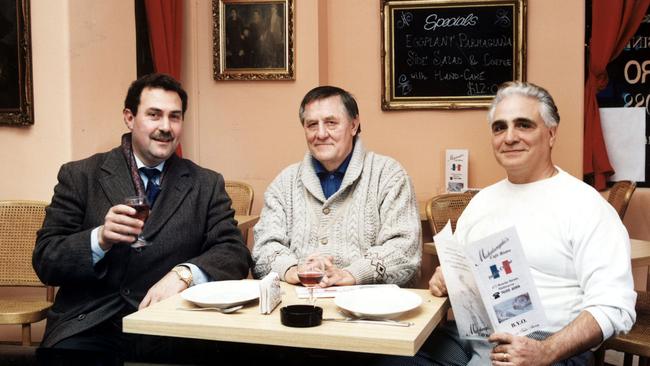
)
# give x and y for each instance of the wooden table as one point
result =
(249, 326)
(245, 222)
(640, 252)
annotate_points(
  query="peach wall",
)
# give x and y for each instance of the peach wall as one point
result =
(83, 60)
(250, 130)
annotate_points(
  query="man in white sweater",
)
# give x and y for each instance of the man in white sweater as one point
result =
(574, 241)
(352, 206)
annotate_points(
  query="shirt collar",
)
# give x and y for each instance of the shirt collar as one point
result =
(140, 164)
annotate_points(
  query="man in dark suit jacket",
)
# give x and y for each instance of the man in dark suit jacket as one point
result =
(85, 248)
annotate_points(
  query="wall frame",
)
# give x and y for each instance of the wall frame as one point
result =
(253, 40)
(450, 54)
(16, 89)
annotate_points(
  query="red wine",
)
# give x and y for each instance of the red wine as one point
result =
(310, 279)
(141, 211)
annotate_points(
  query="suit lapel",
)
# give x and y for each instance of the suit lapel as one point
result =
(176, 184)
(116, 182)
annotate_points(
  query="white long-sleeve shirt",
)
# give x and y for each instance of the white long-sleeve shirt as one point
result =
(574, 241)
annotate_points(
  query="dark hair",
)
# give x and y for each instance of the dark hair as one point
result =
(326, 91)
(155, 81)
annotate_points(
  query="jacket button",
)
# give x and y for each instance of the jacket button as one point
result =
(81, 317)
(126, 292)
(138, 250)
(326, 210)
(323, 241)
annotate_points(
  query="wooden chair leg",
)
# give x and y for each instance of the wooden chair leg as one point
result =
(599, 357)
(27, 335)
(627, 359)
(643, 361)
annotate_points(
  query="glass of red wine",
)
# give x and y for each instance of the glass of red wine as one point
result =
(142, 209)
(311, 270)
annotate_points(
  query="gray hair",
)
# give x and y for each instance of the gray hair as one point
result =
(547, 108)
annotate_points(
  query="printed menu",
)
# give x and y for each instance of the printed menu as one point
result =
(489, 284)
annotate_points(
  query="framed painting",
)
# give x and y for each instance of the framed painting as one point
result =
(450, 54)
(253, 40)
(16, 90)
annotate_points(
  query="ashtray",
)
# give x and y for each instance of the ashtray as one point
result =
(301, 316)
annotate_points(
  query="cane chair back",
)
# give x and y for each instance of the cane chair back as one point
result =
(620, 195)
(446, 207)
(19, 222)
(242, 196)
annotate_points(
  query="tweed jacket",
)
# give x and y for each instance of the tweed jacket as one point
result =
(370, 226)
(191, 222)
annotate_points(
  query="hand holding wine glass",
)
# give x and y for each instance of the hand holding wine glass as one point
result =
(141, 206)
(311, 270)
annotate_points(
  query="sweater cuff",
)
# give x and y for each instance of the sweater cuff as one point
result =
(603, 321)
(282, 264)
(362, 271)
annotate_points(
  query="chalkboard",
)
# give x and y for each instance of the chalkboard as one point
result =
(451, 54)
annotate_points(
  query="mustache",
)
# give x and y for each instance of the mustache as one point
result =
(162, 136)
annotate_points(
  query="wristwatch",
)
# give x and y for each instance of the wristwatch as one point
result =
(184, 274)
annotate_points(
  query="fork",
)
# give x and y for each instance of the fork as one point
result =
(229, 310)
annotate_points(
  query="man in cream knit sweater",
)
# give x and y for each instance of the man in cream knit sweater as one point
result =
(354, 207)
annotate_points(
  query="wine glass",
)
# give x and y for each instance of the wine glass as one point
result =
(142, 209)
(311, 270)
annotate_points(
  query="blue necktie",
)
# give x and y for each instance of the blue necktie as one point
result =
(153, 188)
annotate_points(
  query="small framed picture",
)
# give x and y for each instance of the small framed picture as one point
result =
(253, 40)
(16, 96)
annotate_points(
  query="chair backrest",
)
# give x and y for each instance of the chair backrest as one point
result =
(241, 195)
(446, 207)
(19, 222)
(620, 195)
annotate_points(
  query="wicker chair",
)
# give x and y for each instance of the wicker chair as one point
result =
(242, 196)
(19, 221)
(620, 195)
(446, 207)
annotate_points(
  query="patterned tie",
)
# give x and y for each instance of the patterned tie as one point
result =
(153, 188)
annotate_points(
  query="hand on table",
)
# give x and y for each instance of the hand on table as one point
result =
(168, 286)
(437, 284)
(119, 227)
(335, 275)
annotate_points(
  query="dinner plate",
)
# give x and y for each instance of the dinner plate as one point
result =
(222, 294)
(377, 303)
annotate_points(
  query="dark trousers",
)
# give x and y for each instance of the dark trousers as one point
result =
(106, 344)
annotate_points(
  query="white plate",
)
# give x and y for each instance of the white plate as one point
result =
(383, 303)
(222, 294)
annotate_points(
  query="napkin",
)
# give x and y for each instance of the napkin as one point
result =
(270, 293)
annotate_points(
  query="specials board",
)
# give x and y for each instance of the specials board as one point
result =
(450, 54)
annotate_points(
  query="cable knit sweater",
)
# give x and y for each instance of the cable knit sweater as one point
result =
(370, 226)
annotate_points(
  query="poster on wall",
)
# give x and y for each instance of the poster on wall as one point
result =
(629, 87)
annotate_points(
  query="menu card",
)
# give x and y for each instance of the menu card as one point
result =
(489, 284)
(270, 293)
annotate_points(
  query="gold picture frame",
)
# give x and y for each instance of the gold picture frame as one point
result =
(253, 40)
(16, 89)
(450, 54)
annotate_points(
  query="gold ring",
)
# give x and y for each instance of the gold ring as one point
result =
(505, 357)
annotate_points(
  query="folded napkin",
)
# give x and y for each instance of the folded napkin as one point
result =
(270, 293)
